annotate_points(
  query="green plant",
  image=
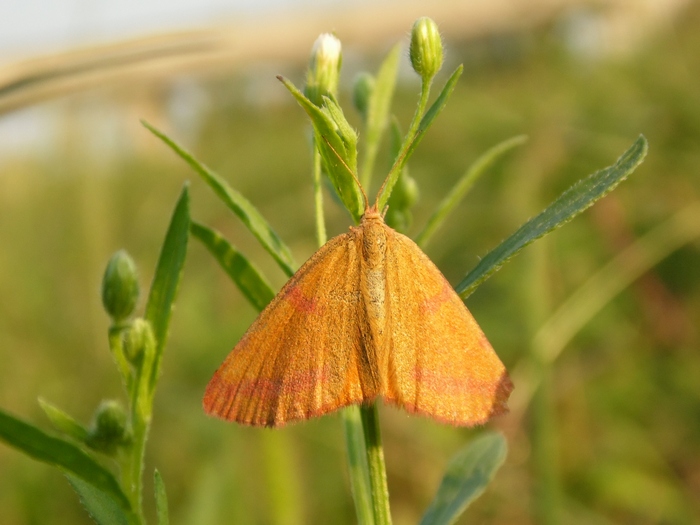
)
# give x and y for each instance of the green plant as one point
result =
(138, 344)
(117, 434)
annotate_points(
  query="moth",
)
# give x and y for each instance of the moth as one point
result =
(368, 316)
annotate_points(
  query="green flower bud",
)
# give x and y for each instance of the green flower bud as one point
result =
(136, 337)
(120, 286)
(362, 92)
(426, 48)
(324, 69)
(108, 430)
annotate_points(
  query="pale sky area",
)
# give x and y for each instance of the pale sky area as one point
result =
(29, 27)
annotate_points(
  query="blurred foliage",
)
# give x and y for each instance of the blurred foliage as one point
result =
(625, 393)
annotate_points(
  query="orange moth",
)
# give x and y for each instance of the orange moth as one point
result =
(367, 316)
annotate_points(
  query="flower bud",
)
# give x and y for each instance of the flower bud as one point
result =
(120, 286)
(426, 48)
(324, 69)
(136, 337)
(108, 430)
(362, 92)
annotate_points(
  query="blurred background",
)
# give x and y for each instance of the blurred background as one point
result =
(605, 417)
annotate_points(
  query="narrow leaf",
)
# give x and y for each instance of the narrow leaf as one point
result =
(166, 280)
(346, 132)
(161, 499)
(243, 273)
(359, 468)
(477, 168)
(425, 123)
(63, 422)
(62, 454)
(245, 211)
(569, 204)
(100, 505)
(378, 111)
(332, 149)
(466, 478)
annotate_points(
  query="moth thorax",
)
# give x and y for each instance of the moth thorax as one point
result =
(373, 243)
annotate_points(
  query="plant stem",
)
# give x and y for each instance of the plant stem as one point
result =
(134, 481)
(357, 462)
(407, 142)
(116, 345)
(377, 468)
(418, 115)
(318, 200)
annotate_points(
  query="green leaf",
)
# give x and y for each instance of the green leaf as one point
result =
(161, 499)
(569, 204)
(62, 454)
(337, 159)
(378, 111)
(466, 478)
(166, 280)
(424, 125)
(477, 168)
(245, 211)
(100, 505)
(359, 468)
(346, 132)
(246, 276)
(63, 422)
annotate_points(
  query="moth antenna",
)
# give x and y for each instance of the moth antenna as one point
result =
(397, 162)
(357, 181)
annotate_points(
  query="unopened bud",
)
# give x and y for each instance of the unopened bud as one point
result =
(362, 92)
(324, 69)
(426, 48)
(108, 430)
(120, 286)
(136, 337)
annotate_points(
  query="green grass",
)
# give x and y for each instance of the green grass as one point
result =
(624, 393)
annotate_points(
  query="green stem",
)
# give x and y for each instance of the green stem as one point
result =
(318, 199)
(116, 345)
(377, 468)
(418, 115)
(141, 407)
(396, 168)
(134, 470)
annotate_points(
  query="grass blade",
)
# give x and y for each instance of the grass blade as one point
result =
(166, 280)
(569, 204)
(477, 168)
(241, 271)
(62, 454)
(466, 478)
(245, 211)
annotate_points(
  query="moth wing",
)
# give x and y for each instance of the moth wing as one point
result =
(300, 358)
(439, 362)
